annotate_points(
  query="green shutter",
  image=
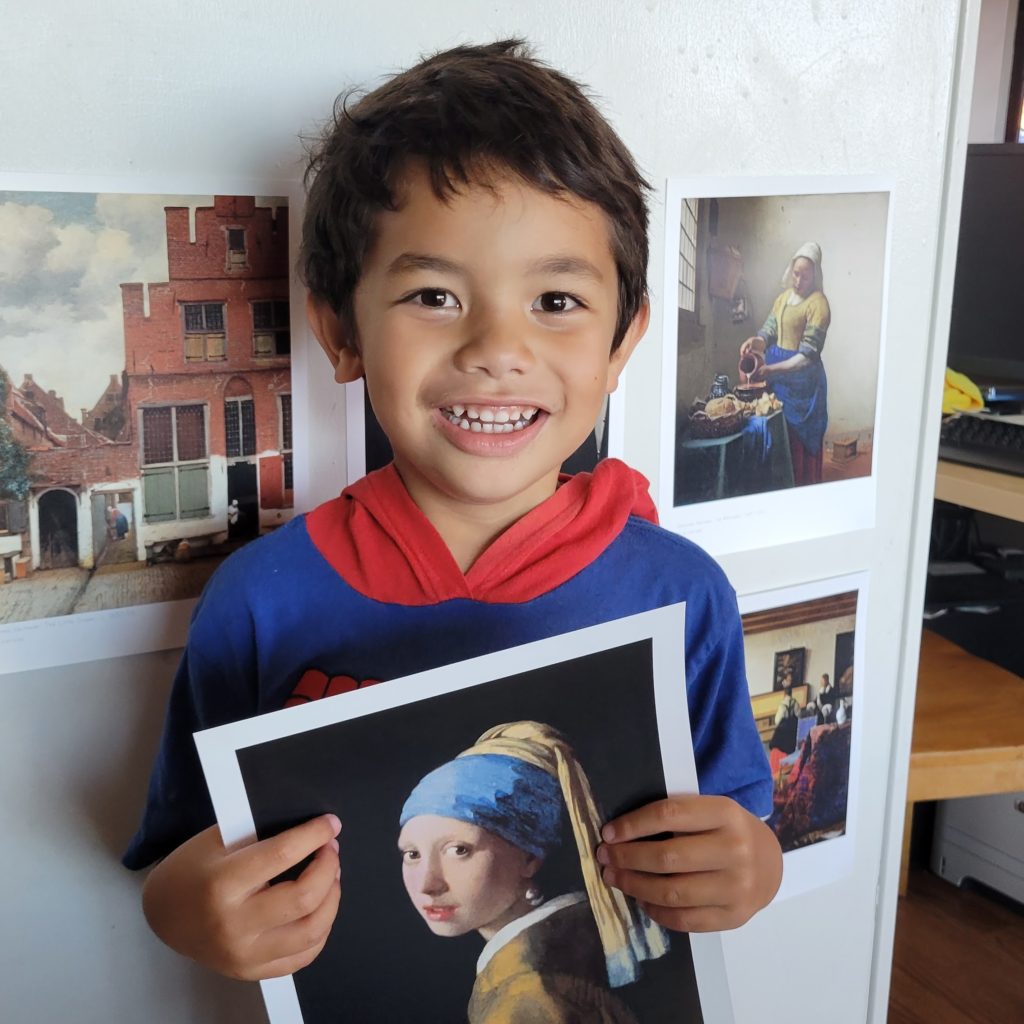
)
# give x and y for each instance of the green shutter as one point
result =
(193, 492)
(158, 495)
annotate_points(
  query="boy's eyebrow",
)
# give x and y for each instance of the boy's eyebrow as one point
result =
(423, 261)
(574, 265)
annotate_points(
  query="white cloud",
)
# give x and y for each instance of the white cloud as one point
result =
(27, 234)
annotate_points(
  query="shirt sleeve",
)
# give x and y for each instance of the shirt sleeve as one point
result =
(819, 316)
(729, 754)
(215, 683)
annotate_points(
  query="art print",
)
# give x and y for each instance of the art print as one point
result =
(810, 726)
(146, 420)
(526, 753)
(775, 309)
(368, 447)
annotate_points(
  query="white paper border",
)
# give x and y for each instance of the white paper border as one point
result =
(317, 430)
(832, 859)
(663, 626)
(761, 520)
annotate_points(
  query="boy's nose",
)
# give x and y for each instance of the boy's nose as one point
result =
(495, 347)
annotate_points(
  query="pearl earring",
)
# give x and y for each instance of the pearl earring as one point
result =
(534, 896)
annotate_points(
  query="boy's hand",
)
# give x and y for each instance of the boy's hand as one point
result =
(717, 869)
(217, 907)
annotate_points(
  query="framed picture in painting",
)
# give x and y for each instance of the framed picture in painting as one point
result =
(789, 668)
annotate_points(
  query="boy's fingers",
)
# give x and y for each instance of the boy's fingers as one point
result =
(698, 889)
(263, 861)
(701, 851)
(285, 902)
(302, 938)
(673, 814)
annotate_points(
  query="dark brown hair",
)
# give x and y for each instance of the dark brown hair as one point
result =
(463, 113)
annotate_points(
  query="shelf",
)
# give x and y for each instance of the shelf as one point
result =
(984, 490)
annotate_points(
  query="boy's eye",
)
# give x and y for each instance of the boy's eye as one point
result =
(435, 298)
(555, 302)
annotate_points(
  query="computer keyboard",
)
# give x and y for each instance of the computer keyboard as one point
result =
(993, 442)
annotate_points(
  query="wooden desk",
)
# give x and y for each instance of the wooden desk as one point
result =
(968, 730)
(984, 490)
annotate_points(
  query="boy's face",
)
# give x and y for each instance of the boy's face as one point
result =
(484, 332)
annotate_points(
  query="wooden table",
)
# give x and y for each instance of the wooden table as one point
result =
(968, 730)
(712, 468)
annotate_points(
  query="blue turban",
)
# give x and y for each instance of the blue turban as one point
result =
(500, 794)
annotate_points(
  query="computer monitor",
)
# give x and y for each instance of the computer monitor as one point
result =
(986, 334)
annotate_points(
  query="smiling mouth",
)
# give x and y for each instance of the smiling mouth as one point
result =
(490, 419)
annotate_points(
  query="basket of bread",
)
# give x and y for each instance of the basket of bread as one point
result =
(716, 417)
(719, 417)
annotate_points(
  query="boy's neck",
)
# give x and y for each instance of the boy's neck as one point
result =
(468, 529)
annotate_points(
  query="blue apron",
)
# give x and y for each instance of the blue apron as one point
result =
(804, 397)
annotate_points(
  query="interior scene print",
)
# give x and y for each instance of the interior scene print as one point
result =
(800, 670)
(779, 308)
(145, 394)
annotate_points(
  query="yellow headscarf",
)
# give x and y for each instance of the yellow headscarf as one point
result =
(627, 934)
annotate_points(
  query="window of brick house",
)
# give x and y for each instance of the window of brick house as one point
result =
(175, 461)
(237, 257)
(13, 516)
(286, 440)
(239, 427)
(271, 328)
(205, 336)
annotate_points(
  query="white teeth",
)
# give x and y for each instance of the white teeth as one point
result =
(491, 419)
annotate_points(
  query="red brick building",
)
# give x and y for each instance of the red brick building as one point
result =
(199, 419)
(75, 474)
(207, 374)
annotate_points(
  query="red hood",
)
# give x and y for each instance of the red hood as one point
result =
(377, 539)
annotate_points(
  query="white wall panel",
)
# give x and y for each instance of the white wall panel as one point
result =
(207, 92)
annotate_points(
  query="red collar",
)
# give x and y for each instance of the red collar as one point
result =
(377, 539)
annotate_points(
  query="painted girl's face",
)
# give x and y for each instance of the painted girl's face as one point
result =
(803, 276)
(462, 878)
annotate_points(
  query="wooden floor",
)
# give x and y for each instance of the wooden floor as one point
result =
(959, 956)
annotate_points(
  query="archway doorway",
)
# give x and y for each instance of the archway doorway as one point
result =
(58, 530)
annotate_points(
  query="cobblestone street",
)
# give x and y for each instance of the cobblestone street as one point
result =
(66, 591)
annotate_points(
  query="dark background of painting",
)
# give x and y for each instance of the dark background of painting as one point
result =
(381, 962)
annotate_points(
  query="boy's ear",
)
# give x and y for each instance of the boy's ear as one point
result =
(340, 349)
(636, 330)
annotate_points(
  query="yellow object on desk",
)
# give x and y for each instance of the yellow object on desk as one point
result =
(960, 393)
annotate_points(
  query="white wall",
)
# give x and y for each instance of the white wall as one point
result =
(190, 95)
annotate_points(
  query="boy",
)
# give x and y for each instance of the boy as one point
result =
(475, 245)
